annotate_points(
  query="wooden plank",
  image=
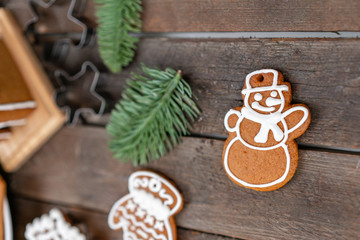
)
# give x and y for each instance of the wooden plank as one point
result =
(92, 223)
(322, 201)
(324, 75)
(223, 16)
(238, 15)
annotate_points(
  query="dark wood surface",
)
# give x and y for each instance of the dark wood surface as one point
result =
(322, 201)
(91, 222)
(218, 16)
(76, 172)
(324, 75)
(238, 15)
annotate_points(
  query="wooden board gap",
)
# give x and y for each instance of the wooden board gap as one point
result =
(57, 203)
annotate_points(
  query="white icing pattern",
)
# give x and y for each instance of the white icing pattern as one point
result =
(52, 226)
(153, 206)
(16, 106)
(8, 231)
(127, 218)
(145, 212)
(269, 122)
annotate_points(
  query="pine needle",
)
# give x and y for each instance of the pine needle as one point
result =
(116, 18)
(155, 112)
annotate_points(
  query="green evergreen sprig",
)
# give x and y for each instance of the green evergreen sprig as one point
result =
(116, 18)
(154, 113)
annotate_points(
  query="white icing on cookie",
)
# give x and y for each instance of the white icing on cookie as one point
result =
(13, 123)
(141, 179)
(268, 122)
(140, 225)
(273, 94)
(17, 106)
(153, 198)
(274, 86)
(154, 185)
(141, 182)
(153, 206)
(169, 200)
(52, 226)
(257, 106)
(8, 230)
(258, 97)
(272, 101)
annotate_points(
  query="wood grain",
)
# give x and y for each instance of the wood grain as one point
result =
(220, 16)
(238, 15)
(94, 224)
(322, 201)
(324, 75)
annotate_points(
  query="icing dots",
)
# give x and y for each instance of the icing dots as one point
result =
(52, 226)
(145, 212)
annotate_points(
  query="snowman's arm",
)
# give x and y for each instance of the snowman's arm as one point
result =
(229, 115)
(306, 115)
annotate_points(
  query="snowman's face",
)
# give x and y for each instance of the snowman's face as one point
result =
(265, 102)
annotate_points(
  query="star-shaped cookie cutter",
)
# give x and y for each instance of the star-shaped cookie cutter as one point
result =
(74, 8)
(64, 54)
(73, 116)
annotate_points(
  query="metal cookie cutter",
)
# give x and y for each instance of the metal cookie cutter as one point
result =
(76, 6)
(77, 94)
(65, 55)
(74, 10)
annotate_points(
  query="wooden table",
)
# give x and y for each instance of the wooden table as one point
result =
(76, 172)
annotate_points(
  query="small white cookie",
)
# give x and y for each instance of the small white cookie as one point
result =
(52, 226)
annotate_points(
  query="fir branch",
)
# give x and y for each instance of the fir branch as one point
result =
(116, 18)
(155, 112)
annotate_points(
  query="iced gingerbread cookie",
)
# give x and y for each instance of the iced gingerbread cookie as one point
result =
(52, 226)
(260, 152)
(147, 211)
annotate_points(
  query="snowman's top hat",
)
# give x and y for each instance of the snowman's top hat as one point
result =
(274, 86)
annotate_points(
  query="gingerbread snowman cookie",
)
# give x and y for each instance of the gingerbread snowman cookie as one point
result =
(147, 211)
(260, 152)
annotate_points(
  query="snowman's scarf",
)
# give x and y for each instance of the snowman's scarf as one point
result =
(268, 122)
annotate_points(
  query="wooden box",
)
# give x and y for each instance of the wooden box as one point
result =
(47, 118)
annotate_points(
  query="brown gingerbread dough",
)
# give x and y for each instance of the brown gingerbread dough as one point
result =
(16, 101)
(260, 152)
(147, 211)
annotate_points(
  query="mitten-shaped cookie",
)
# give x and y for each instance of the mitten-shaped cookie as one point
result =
(147, 211)
(260, 152)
